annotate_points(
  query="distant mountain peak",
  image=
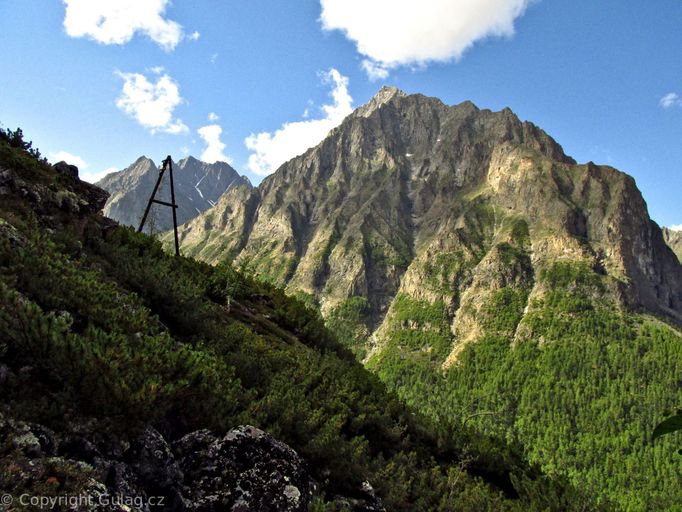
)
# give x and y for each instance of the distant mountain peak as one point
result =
(191, 161)
(198, 186)
(142, 160)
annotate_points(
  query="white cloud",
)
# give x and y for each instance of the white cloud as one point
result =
(270, 150)
(94, 177)
(69, 158)
(392, 33)
(213, 117)
(671, 99)
(151, 104)
(215, 148)
(194, 36)
(117, 21)
(375, 71)
(306, 112)
(676, 227)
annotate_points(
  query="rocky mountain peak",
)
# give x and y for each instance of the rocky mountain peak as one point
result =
(385, 94)
(188, 160)
(410, 197)
(198, 185)
(142, 160)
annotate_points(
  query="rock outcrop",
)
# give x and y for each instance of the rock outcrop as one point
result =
(244, 470)
(68, 196)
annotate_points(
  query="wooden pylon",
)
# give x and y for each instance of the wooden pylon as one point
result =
(166, 164)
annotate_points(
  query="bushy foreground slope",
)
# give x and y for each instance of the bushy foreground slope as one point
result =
(99, 327)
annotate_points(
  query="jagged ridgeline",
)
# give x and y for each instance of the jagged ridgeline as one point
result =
(114, 356)
(485, 276)
(198, 186)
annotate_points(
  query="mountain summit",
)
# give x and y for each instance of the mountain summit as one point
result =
(410, 198)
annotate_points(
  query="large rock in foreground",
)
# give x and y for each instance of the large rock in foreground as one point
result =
(245, 470)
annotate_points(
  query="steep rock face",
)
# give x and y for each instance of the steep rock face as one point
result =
(223, 231)
(426, 211)
(674, 240)
(198, 186)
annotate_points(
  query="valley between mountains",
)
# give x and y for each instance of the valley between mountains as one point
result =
(483, 275)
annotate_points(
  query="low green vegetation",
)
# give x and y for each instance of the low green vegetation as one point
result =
(420, 326)
(443, 272)
(270, 265)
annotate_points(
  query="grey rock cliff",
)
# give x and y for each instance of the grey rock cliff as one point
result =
(198, 186)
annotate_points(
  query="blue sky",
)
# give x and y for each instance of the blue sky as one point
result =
(106, 81)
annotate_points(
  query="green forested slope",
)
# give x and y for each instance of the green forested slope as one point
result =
(99, 327)
(576, 381)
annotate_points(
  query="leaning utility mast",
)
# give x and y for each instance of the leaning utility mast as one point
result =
(166, 164)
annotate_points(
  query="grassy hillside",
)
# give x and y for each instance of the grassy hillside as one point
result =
(99, 326)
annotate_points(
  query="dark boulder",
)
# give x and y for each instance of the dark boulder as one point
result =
(246, 470)
(66, 169)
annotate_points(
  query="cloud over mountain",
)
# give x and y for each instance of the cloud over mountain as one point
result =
(270, 150)
(392, 33)
(215, 148)
(150, 103)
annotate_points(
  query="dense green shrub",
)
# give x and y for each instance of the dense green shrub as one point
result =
(348, 321)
